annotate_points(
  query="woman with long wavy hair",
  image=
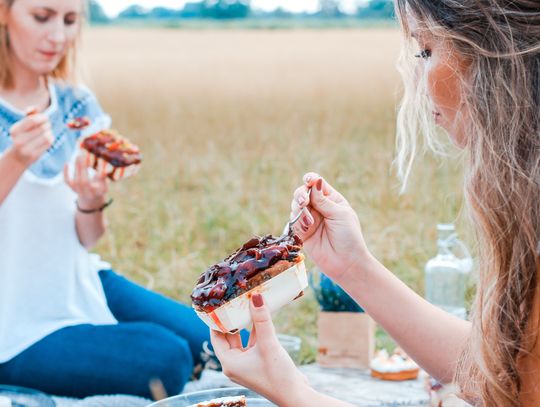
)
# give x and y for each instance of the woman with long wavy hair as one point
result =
(477, 76)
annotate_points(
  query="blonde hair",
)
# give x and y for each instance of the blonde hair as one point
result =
(500, 40)
(65, 71)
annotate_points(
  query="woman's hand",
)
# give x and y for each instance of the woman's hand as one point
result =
(263, 366)
(31, 136)
(91, 191)
(329, 227)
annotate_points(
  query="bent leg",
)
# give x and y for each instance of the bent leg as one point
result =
(130, 302)
(87, 360)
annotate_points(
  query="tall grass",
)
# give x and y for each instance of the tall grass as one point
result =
(229, 121)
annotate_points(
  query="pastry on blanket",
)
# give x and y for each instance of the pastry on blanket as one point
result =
(111, 154)
(396, 367)
(271, 266)
(224, 402)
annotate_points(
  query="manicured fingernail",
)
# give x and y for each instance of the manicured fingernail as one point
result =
(257, 300)
(306, 220)
(304, 228)
(319, 184)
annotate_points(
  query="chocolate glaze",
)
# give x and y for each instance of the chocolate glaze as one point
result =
(79, 123)
(224, 281)
(112, 148)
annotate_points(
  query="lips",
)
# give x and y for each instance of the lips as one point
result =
(49, 54)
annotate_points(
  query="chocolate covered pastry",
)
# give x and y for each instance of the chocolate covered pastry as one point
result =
(224, 402)
(112, 155)
(272, 266)
(255, 262)
(78, 123)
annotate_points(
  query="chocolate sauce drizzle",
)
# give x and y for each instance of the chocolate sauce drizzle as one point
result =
(224, 281)
(113, 149)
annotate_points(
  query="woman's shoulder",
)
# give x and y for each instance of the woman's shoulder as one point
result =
(70, 96)
(79, 101)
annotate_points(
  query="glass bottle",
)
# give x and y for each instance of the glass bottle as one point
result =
(447, 274)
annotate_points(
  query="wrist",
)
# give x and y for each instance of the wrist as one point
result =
(91, 203)
(358, 265)
(16, 161)
(299, 395)
(92, 207)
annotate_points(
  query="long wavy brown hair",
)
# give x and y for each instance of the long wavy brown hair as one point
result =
(66, 69)
(500, 40)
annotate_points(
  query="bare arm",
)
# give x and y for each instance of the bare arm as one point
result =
(432, 337)
(31, 137)
(333, 238)
(11, 171)
(91, 192)
(309, 397)
(90, 227)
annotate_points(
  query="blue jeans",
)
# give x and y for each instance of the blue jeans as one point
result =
(156, 337)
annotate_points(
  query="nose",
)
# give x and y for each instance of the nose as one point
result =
(57, 33)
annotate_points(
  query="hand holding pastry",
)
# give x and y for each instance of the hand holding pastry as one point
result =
(329, 227)
(32, 136)
(91, 190)
(263, 365)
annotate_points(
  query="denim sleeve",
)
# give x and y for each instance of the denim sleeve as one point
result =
(87, 105)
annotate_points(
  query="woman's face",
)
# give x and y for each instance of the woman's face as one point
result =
(41, 31)
(442, 69)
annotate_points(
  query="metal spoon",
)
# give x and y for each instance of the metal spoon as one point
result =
(290, 224)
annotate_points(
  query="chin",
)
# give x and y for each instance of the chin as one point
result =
(458, 139)
(46, 68)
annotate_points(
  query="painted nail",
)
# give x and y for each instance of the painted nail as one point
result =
(257, 300)
(304, 228)
(306, 220)
(319, 184)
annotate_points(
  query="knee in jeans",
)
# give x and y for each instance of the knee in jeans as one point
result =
(176, 364)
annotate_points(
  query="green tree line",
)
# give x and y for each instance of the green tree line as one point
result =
(240, 9)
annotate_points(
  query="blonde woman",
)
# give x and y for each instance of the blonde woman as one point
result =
(477, 75)
(68, 324)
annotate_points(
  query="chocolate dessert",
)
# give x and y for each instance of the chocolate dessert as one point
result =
(107, 147)
(78, 123)
(224, 402)
(257, 261)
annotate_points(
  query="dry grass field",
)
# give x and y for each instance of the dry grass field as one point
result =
(229, 121)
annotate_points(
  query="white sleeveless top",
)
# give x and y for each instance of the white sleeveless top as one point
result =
(48, 281)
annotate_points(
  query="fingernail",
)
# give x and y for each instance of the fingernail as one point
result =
(304, 228)
(306, 220)
(308, 179)
(301, 200)
(257, 300)
(319, 184)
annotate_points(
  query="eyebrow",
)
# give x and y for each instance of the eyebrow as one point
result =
(52, 11)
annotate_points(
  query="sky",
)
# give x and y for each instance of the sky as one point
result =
(113, 7)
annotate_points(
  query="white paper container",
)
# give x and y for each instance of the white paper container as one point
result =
(277, 292)
(103, 167)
